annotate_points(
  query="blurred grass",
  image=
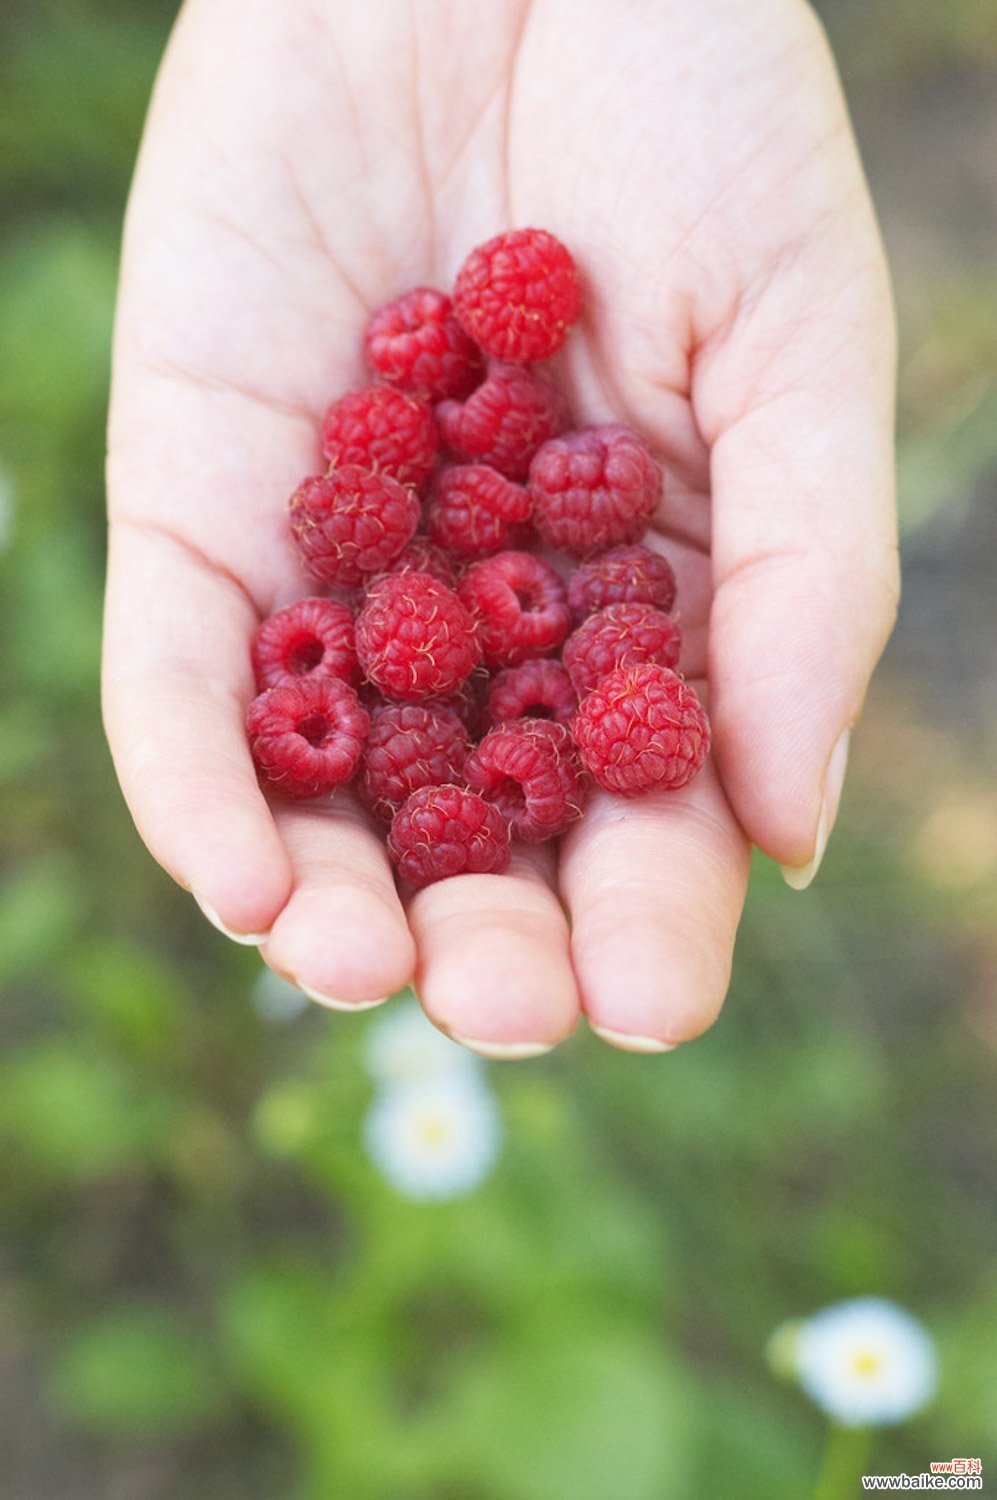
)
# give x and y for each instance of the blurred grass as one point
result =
(206, 1290)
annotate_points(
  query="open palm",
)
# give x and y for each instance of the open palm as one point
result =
(308, 161)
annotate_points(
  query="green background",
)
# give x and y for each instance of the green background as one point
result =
(206, 1290)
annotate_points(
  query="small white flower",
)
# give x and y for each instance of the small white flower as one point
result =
(276, 999)
(434, 1139)
(6, 508)
(402, 1046)
(866, 1363)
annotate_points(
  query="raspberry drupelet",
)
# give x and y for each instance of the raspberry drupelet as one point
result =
(447, 830)
(422, 555)
(518, 294)
(409, 747)
(641, 729)
(539, 689)
(519, 602)
(505, 420)
(415, 637)
(623, 575)
(594, 488)
(351, 522)
(622, 635)
(307, 737)
(530, 770)
(473, 510)
(417, 345)
(310, 638)
(381, 429)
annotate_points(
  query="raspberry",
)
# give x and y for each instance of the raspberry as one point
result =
(467, 702)
(380, 428)
(416, 344)
(529, 769)
(409, 747)
(535, 690)
(351, 522)
(446, 830)
(505, 421)
(518, 295)
(312, 638)
(520, 604)
(423, 556)
(623, 575)
(622, 635)
(642, 728)
(471, 510)
(415, 638)
(307, 737)
(594, 488)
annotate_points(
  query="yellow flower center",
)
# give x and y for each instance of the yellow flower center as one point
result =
(434, 1130)
(866, 1363)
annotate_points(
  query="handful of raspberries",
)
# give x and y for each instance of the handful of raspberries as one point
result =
(470, 689)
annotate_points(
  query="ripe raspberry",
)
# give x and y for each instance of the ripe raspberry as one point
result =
(472, 510)
(518, 295)
(416, 344)
(594, 488)
(535, 690)
(623, 575)
(409, 747)
(505, 421)
(351, 522)
(641, 728)
(312, 638)
(415, 638)
(468, 702)
(520, 604)
(445, 830)
(307, 737)
(622, 635)
(423, 556)
(529, 769)
(382, 429)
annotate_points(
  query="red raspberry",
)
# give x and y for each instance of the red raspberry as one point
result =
(415, 638)
(307, 737)
(380, 428)
(472, 510)
(641, 728)
(446, 830)
(468, 702)
(351, 522)
(409, 747)
(505, 421)
(416, 344)
(594, 488)
(520, 603)
(423, 556)
(623, 575)
(535, 690)
(622, 635)
(529, 769)
(312, 638)
(518, 295)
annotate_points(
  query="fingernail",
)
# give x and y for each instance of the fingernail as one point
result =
(630, 1043)
(335, 1004)
(798, 877)
(502, 1051)
(247, 939)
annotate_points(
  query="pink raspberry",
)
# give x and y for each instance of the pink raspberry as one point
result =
(446, 830)
(538, 689)
(307, 737)
(623, 575)
(351, 522)
(381, 429)
(421, 555)
(417, 345)
(409, 747)
(518, 295)
(529, 769)
(642, 728)
(311, 638)
(622, 635)
(415, 637)
(472, 510)
(520, 604)
(505, 421)
(594, 488)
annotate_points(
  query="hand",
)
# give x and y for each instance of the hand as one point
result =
(306, 162)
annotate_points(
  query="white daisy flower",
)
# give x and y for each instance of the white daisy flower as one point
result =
(435, 1139)
(402, 1047)
(866, 1363)
(276, 999)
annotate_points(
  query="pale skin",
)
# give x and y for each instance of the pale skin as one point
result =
(306, 162)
